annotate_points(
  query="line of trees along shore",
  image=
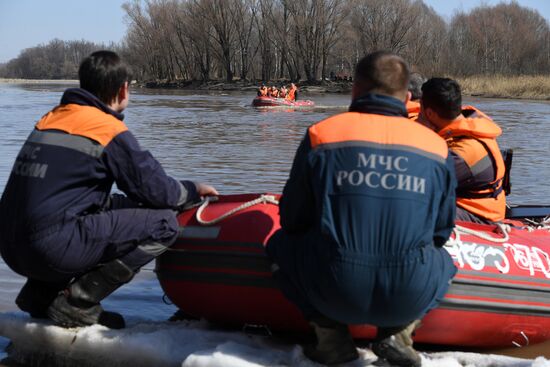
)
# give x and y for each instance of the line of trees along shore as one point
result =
(309, 40)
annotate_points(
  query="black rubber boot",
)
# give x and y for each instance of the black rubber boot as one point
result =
(36, 296)
(334, 343)
(78, 305)
(395, 345)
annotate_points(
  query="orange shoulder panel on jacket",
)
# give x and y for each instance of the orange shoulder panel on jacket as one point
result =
(86, 121)
(413, 109)
(379, 129)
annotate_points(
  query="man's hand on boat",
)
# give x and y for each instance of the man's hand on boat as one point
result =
(203, 190)
(206, 190)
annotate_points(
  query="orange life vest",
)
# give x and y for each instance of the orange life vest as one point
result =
(291, 96)
(413, 109)
(473, 138)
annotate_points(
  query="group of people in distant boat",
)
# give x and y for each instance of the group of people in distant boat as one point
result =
(290, 93)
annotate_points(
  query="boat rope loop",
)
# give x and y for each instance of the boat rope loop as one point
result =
(504, 229)
(533, 225)
(262, 199)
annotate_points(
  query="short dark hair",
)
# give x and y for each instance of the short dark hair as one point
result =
(383, 72)
(442, 95)
(415, 85)
(103, 73)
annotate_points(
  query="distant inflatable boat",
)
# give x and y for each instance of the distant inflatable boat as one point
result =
(262, 101)
(218, 270)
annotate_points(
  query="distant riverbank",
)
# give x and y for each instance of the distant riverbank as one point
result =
(315, 87)
(511, 87)
(519, 87)
(212, 85)
(37, 81)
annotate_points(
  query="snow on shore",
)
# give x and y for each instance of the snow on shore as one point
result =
(186, 344)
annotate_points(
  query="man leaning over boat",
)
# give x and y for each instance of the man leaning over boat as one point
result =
(367, 207)
(471, 137)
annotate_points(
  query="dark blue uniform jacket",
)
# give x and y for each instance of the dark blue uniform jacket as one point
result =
(65, 171)
(369, 203)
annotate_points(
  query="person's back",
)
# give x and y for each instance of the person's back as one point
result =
(47, 184)
(471, 137)
(59, 225)
(292, 94)
(358, 232)
(283, 92)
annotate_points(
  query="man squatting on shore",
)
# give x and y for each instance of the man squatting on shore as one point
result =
(61, 228)
(368, 205)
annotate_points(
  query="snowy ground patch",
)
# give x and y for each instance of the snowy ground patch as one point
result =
(186, 344)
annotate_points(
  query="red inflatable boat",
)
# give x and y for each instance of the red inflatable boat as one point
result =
(263, 101)
(217, 270)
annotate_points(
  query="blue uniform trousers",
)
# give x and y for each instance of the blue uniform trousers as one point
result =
(356, 288)
(71, 247)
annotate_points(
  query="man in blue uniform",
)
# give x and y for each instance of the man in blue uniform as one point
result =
(365, 212)
(59, 225)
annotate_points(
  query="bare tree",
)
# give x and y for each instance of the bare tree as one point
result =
(221, 28)
(56, 60)
(144, 39)
(384, 24)
(333, 15)
(244, 17)
(426, 41)
(266, 44)
(281, 32)
(285, 39)
(307, 21)
(503, 39)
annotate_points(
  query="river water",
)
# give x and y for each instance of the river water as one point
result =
(219, 138)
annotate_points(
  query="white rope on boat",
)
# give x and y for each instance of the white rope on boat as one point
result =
(262, 199)
(504, 229)
(531, 225)
(534, 225)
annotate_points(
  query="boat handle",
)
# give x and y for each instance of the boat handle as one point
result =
(524, 337)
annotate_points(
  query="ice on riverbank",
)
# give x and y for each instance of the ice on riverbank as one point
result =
(186, 344)
(38, 81)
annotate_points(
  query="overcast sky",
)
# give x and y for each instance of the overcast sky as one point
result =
(28, 23)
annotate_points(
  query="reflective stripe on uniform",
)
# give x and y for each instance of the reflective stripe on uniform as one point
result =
(74, 142)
